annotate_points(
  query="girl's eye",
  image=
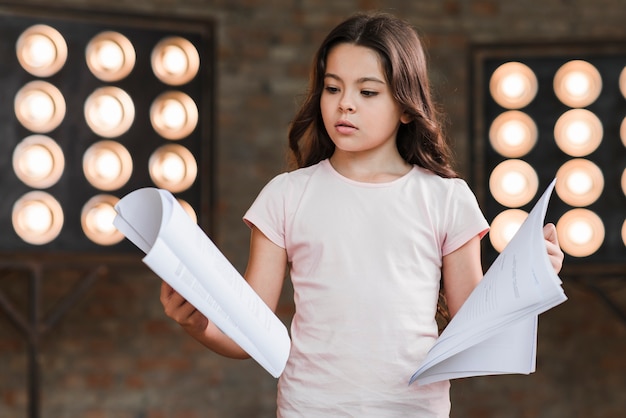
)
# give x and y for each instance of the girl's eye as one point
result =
(331, 89)
(369, 93)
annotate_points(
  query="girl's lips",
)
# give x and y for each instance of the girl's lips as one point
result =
(345, 127)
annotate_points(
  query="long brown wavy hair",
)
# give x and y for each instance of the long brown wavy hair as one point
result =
(421, 141)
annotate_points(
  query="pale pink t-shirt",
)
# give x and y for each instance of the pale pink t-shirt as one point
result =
(365, 266)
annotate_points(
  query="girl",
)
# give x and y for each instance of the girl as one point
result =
(368, 224)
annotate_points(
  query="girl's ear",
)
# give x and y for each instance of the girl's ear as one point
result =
(405, 118)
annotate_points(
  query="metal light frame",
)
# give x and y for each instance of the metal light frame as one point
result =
(80, 83)
(598, 271)
(73, 249)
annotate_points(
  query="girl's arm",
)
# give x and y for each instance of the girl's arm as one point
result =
(265, 274)
(462, 269)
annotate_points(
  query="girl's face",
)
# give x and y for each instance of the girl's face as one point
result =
(359, 112)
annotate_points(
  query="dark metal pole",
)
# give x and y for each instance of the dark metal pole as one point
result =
(34, 327)
(33, 380)
(33, 343)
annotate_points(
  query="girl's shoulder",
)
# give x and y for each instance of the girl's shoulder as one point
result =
(298, 175)
(442, 190)
(291, 180)
(437, 182)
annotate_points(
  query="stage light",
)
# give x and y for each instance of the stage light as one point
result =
(578, 132)
(577, 83)
(117, 93)
(37, 217)
(85, 134)
(41, 50)
(174, 115)
(107, 165)
(513, 134)
(38, 161)
(504, 226)
(513, 183)
(110, 56)
(581, 232)
(579, 182)
(97, 220)
(109, 111)
(513, 85)
(39, 106)
(579, 113)
(173, 167)
(175, 61)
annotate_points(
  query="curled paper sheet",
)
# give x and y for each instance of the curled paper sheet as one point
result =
(495, 331)
(179, 252)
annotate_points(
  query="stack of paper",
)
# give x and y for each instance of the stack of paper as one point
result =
(179, 252)
(495, 331)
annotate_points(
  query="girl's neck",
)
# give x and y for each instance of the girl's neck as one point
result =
(369, 170)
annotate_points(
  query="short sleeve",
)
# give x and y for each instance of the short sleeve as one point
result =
(464, 218)
(267, 212)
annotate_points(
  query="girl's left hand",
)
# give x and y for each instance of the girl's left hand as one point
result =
(552, 245)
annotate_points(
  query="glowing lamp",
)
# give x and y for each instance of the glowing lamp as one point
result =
(109, 111)
(577, 83)
(175, 61)
(513, 183)
(107, 165)
(513, 134)
(579, 182)
(578, 132)
(41, 50)
(513, 85)
(174, 115)
(110, 56)
(173, 167)
(39, 106)
(504, 227)
(38, 161)
(97, 220)
(37, 218)
(581, 232)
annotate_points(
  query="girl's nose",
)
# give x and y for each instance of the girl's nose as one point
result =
(345, 105)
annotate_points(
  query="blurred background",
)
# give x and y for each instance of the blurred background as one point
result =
(100, 98)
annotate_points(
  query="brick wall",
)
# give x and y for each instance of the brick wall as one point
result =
(116, 355)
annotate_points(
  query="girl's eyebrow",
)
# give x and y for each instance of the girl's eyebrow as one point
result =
(360, 80)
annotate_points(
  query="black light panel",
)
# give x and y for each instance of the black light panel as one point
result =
(92, 107)
(545, 111)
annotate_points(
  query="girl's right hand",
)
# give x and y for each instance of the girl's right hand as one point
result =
(181, 311)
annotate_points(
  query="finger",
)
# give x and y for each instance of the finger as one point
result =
(166, 291)
(198, 317)
(184, 312)
(555, 254)
(175, 306)
(169, 296)
(196, 322)
(179, 310)
(550, 234)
